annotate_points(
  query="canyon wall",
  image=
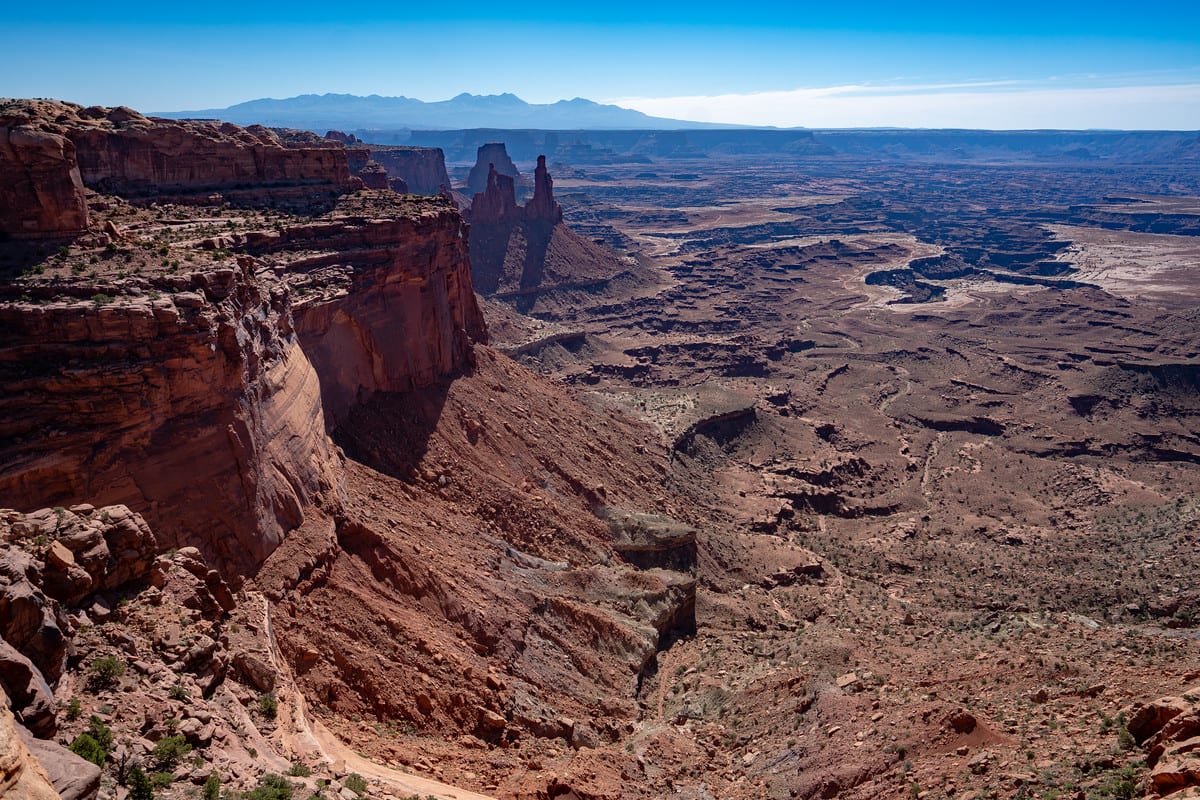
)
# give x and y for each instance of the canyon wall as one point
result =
(192, 396)
(197, 408)
(135, 155)
(423, 169)
(382, 303)
(49, 151)
(196, 400)
(41, 189)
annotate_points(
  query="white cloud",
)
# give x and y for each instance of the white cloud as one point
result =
(999, 105)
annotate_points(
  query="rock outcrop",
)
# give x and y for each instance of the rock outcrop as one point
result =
(373, 175)
(197, 408)
(32, 623)
(387, 304)
(41, 189)
(72, 777)
(1169, 731)
(519, 252)
(491, 156)
(32, 697)
(50, 150)
(339, 136)
(542, 207)
(497, 203)
(423, 169)
(89, 550)
(21, 775)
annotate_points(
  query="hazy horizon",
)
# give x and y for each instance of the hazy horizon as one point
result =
(1025, 66)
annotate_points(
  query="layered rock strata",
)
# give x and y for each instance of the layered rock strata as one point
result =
(423, 169)
(385, 303)
(125, 153)
(41, 189)
(197, 408)
(50, 151)
(189, 397)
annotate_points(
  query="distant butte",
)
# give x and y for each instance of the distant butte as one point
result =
(491, 156)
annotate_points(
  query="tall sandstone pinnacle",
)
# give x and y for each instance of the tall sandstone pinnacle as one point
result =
(521, 252)
(542, 207)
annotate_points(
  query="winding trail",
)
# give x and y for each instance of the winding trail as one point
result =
(887, 401)
(299, 735)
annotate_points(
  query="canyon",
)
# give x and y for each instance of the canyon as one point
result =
(719, 464)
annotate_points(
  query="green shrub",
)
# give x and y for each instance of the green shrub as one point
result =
(74, 709)
(212, 788)
(299, 770)
(87, 748)
(170, 751)
(103, 673)
(268, 705)
(1124, 737)
(356, 783)
(270, 787)
(94, 744)
(140, 787)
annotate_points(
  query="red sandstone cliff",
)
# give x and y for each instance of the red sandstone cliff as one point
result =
(126, 153)
(386, 301)
(192, 398)
(423, 169)
(201, 407)
(197, 408)
(41, 190)
(49, 151)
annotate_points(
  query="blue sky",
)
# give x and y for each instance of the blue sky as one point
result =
(1004, 64)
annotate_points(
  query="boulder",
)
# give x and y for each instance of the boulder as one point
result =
(71, 776)
(31, 622)
(21, 775)
(1145, 720)
(32, 698)
(260, 674)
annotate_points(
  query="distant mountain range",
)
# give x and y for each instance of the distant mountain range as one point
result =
(322, 112)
